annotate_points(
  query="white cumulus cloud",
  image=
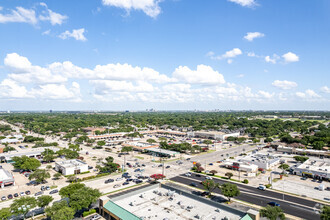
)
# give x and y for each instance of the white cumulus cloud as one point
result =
(149, 7)
(202, 75)
(325, 89)
(250, 36)
(245, 3)
(229, 55)
(272, 59)
(290, 57)
(53, 17)
(308, 94)
(77, 34)
(286, 85)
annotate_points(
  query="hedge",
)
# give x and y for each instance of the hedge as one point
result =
(86, 213)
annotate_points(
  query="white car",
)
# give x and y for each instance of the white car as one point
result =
(208, 178)
(119, 178)
(187, 174)
(262, 187)
(22, 194)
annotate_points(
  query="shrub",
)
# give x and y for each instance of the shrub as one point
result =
(268, 185)
(86, 213)
(245, 181)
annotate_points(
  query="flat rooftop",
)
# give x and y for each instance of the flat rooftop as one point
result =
(160, 203)
(316, 165)
(162, 151)
(71, 163)
(5, 175)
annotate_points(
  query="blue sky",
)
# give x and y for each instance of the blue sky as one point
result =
(164, 54)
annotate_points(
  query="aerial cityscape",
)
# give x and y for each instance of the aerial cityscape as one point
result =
(164, 110)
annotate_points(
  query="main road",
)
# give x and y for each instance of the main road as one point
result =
(303, 208)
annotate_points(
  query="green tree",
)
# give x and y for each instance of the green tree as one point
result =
(210, 185)
(150, 141)
(255, 140)
(48, 155)
(207, 142)
(26, 163)
(57, 176)
(126, 149)
(213, 172)
(325, 212)
(69, 154)
(74, 147)
(39, 175)
(162, 139)
(301, 159)
(23, 205)
(284, 166)
(70, 189)
(272, 213)
(318, 145)
(229, 175)
(100, 143)
(5, 213)
(229, 190)
(44, 200)
(83, 198)
(60, 211)
(268, 140)
(80, 196)
(108, 166)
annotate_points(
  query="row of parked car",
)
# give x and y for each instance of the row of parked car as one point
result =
(28, 192)
(11, 196)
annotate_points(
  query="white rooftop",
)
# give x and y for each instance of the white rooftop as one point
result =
(154, 204)
(71, 163)
(5, 175)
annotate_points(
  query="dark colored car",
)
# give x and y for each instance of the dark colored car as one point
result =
(39, 193)
(193, 184)
(16, 195)
(109, 181)
(27, 192)
(126, 183)
(205, 193)
(90, 167)
(53, 191)
(43, 188)
(10, 196)
(273, 204)
(197, 175)
(138, 181)
(168, 167)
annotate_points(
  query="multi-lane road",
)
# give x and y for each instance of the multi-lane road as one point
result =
(303, 208)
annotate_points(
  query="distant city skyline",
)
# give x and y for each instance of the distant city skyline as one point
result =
(164, 55)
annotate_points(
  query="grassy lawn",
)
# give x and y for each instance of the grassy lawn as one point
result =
(139, 157)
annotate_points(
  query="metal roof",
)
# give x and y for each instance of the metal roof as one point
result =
(120, 212)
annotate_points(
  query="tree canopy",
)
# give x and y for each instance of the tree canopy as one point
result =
(39, 175)
(272, 213)
(80, 196)
(26, 163)
(60, 211)
(229, 190)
